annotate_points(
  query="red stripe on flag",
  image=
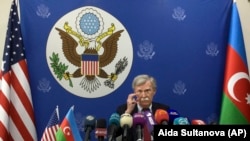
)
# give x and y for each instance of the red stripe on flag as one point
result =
(19, 123)
(241, 87)
(50, 133)
(4, 132)
(22, 95)
(4, 102)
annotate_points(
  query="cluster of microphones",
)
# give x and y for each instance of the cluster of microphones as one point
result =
(138, 121)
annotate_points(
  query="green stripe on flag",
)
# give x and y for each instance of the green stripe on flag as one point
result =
(230, 114)
(60, 135)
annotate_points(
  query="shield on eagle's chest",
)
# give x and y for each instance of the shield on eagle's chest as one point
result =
(90, 64)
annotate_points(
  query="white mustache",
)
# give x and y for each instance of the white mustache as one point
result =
(145, 99)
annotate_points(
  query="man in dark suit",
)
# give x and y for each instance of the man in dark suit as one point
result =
(144, 87)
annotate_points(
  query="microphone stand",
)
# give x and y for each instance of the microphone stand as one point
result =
(100, 138)
(139, 133)
(87, 135)
(125, 133)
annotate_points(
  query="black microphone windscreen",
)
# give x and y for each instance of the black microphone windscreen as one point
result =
(89, 125)
(89, 122)
(101, 130)
(101, 123)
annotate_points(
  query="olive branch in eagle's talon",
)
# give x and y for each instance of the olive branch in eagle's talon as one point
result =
(59, 68)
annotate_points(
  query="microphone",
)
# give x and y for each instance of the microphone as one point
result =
(197, 122)
(181, 121)
(161, 117)
(89, 125)
(139, 122)
(172, 115)
(114, 124)
(100, 129)
(126, 122)
(150, 122)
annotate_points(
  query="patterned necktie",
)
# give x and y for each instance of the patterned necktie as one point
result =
(146, 134)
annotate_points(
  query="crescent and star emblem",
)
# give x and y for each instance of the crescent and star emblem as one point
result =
(233, 80)
(66, 130)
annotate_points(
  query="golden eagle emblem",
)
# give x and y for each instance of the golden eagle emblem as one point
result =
(92, 53)
(90, 71)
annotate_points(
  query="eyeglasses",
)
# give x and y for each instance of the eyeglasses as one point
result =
(147, 91)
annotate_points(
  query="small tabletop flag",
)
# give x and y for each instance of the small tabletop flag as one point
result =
(52, 127)
(68, 130)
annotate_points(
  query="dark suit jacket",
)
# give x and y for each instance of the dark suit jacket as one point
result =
(132, 133)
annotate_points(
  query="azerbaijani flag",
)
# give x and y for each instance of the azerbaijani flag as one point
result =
(68, 130)
(235, 107)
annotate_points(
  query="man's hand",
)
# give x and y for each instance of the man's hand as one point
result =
(131, 102)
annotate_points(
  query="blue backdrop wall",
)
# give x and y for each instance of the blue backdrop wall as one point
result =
(181, 43)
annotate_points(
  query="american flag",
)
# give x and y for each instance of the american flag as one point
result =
(49, 133)
(17, 120)
(90, 64)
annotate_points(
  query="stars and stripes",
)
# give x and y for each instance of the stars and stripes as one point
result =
(52, 127)
(16, 109)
